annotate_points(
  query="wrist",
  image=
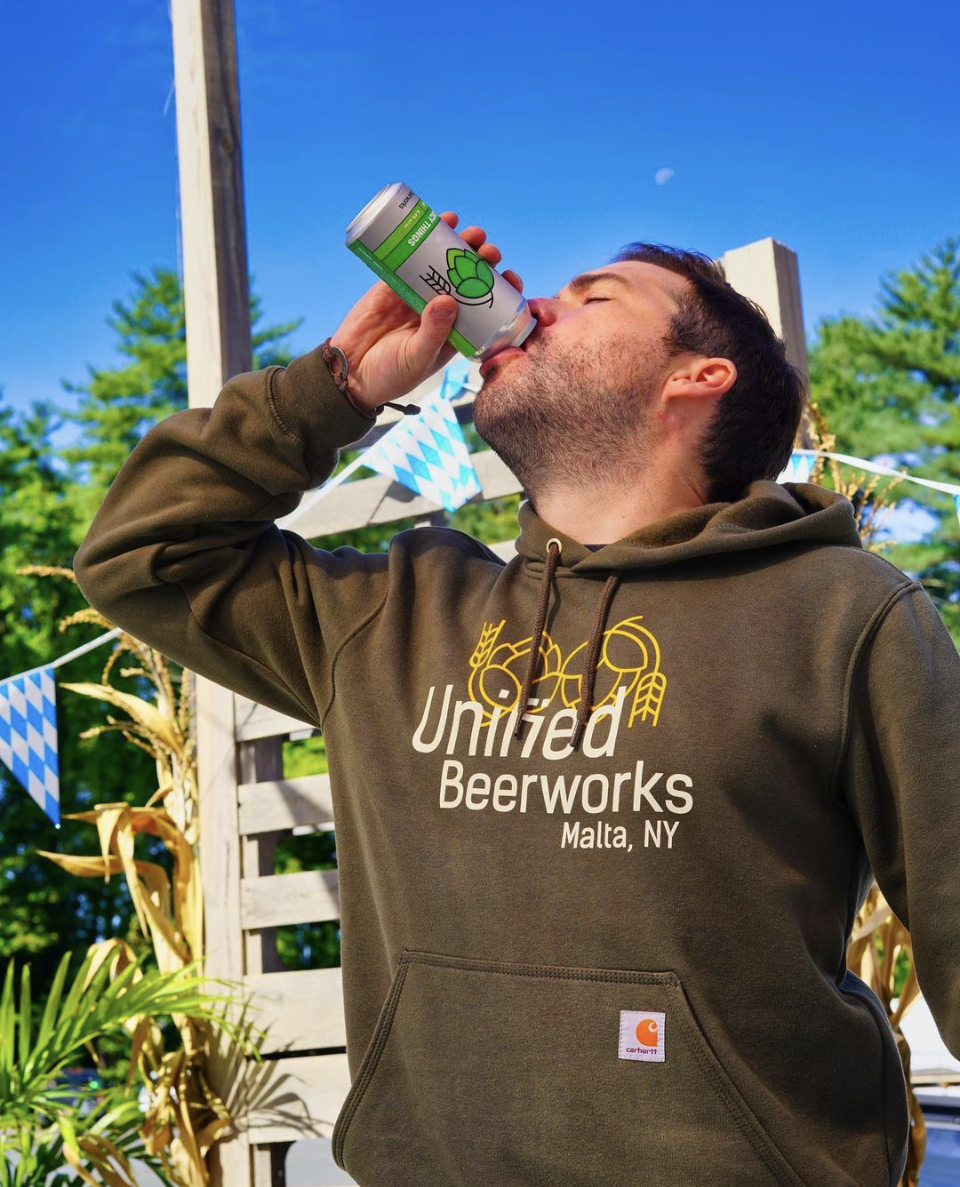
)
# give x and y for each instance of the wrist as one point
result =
(336, 359)
(339, 364)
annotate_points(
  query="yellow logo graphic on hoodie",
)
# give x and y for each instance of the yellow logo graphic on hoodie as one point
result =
(629, 658)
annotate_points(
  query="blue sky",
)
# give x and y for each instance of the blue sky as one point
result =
(832, 127)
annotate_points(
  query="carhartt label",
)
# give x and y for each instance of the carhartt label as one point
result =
(642, 1035)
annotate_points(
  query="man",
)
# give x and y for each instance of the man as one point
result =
(605, 815)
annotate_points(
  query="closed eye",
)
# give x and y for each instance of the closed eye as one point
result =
(590, 300)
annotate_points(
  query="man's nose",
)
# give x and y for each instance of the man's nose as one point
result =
(545, 309)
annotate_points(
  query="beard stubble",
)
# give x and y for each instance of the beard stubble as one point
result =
(580, 419)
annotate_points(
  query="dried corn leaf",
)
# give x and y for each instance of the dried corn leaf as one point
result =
(116, 950)
(85, 867)
(147, 716)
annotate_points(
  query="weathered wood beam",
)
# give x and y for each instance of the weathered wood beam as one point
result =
(767, 272)
(279, 900)
(216, 301)
(215, 279)
(300, 1010)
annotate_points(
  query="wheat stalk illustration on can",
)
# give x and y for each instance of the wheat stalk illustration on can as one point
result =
(413, 250)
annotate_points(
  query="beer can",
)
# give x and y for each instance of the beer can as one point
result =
(410, 247)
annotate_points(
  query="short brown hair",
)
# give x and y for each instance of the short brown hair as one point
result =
(753, 430)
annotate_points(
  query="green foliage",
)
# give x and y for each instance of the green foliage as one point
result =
(890, 385)
(47, 499)
(305, 757)
(42, 909)
(492, 522)
(42, 1121)
(34, 1155)
(118, 405)
(307, 945)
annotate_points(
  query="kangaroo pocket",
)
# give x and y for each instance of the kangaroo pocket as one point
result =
(482, 1073)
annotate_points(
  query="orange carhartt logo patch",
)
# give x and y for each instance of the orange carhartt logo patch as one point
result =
(642, 1035)
(647, 1032)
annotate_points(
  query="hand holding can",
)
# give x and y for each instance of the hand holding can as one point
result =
(391, 350)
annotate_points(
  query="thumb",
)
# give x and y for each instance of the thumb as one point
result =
(436, 322)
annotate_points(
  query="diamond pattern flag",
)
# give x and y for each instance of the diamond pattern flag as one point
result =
(428, 454)
(798, 469)
(28, 736)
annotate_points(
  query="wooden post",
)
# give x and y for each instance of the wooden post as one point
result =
(215, 281)
(217, 307)
(767, 272)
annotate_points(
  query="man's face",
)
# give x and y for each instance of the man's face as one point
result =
(576, 403)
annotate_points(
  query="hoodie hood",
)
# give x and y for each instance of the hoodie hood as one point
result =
(770, 514)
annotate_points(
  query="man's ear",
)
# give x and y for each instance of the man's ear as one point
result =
(700, 378)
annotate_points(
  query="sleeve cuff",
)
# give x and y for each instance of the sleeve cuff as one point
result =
(311, 407)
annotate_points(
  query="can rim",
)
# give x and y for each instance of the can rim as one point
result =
(373, 208)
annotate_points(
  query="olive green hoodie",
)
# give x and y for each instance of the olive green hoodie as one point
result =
(574, 955)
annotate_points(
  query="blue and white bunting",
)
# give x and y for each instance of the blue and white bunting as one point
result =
(28, 736)
(797, 469)
(28, 728)
(801, 462)
(428, 454)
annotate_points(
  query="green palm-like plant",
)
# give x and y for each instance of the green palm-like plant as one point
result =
(43, 1128)
(100, 1142)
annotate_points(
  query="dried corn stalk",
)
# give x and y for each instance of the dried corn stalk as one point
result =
(184, 1116)
(869, 493)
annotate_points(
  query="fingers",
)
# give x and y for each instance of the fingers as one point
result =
(475, 237)
(514, 279)
(436, 321)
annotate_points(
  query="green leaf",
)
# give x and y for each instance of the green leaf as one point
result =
(7, 1024)
(467, 266)
(69, 1133)
(26, 1011)
(888, 385)
(473, 288)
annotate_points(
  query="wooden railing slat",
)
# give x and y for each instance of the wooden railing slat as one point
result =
(279, 900)
(300, 1010)
(293, 1099)
(257, 721)
(286, 803)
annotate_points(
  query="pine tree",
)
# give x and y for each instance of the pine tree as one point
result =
(889, 387)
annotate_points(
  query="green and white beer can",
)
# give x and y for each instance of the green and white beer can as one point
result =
(410, 247)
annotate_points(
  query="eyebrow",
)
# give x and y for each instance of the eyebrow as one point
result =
(588, 279)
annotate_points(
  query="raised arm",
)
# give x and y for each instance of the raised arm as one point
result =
(184, 552)
(185, 555)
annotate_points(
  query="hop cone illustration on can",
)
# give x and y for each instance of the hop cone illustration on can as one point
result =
(471, 277)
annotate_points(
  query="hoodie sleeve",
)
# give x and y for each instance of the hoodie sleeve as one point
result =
(184, 553)
(902, 780)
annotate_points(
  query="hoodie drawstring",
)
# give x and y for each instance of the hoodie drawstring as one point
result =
(588, 677)
(549, 569)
